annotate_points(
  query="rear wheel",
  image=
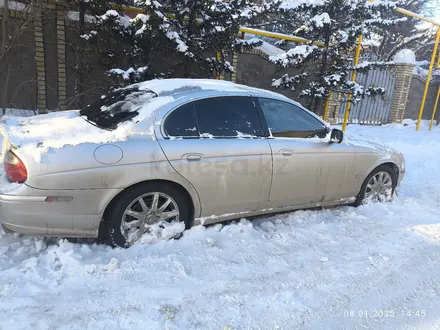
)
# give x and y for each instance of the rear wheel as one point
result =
(379, 186)
(147, 213)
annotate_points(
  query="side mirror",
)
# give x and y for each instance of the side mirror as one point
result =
(337, 136)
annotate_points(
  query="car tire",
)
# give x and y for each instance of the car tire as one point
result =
(111, 231)
(361, 197)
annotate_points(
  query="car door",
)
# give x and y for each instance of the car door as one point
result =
(217, 144)
(306, 167)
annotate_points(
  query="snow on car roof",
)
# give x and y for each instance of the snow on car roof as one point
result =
(36, 135)
(164, 87)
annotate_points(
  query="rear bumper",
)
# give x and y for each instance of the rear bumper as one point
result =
(26, 211)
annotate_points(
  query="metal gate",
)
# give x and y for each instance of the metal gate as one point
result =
(372, 111)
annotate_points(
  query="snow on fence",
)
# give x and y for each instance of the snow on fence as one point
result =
(17, 112)
(372, 111)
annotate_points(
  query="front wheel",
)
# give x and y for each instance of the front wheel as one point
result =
(379, 186)
(147, 213)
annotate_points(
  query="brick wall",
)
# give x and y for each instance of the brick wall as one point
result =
(254, 69)
(50, 66)
(18, 70)
(400, 98)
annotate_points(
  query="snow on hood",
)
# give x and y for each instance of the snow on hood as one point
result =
(370, 145)
(36, 135)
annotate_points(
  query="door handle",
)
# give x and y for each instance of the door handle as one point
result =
(194, 157)
(286, 152)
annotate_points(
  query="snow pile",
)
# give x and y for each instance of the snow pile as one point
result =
(406, 56)
(180, 45)
(35, 135)
(249, 42)
(366, 64)
(265, 47)
(382, 21)
(293, 4)
(14, 5)
(124, 20)
(168, 86)
(126, 74)
(89, 36)
(333, 79)
(19, 112)
(162, 231)
(421, 68)
(330, 269)
(7, 187)
(321, 19)
(144, 19)
(378, 3)
(293, 56)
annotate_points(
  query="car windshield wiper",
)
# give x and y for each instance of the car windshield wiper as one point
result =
(92, 123)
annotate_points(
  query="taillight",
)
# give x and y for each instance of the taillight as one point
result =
(14, 168)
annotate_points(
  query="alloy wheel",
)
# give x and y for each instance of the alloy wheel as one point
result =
(379, 188)
(147, 212)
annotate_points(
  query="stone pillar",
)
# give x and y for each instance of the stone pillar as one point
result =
(235, 65)
(404, 72)
(334, 104)
(39, 58)
(61, 49)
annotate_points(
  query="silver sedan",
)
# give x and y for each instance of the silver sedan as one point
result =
(151, 159)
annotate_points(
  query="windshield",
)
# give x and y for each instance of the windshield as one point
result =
(117, 107)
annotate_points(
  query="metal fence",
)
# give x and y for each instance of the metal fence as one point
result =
(372, 111)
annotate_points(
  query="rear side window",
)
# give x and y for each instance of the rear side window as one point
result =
(181, 122)
(227, 117)
(117, 107)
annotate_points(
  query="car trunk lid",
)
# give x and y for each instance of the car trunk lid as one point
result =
(34, 136)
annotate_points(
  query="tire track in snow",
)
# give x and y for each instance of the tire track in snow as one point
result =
(413, 300)
(398, 289)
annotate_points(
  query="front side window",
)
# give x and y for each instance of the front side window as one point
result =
(287, 120)
(181, 122)
(227, 117)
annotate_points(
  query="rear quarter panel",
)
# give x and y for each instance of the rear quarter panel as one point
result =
(75, 168)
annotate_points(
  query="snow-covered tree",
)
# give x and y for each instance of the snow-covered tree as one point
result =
(88, 56)
(172, 38)
(201, 29)
(407, 33)
(334, 27)
(129, 46)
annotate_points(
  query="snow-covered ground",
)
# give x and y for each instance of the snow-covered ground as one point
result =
(372, 267)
